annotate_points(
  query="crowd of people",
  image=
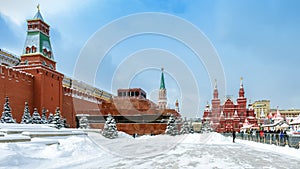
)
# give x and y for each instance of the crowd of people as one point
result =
(278, 135)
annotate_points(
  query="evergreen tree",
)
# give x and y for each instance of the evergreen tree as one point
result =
(50, 118)
(83, 123)
(57, 120)
(185, 128)
(172, 126)
(110, 128)
(191, 128)
(26, 118)
(6, 114)
(44, 116)
(206, 127)
(36, 118)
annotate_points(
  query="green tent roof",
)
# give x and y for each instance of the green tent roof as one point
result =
(162, 81)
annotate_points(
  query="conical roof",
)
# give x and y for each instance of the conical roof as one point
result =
(162, 80)
(38, 15)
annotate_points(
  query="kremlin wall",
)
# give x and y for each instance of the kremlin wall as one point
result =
(33, 78)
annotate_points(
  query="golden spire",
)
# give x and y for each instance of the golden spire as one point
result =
(38, 7)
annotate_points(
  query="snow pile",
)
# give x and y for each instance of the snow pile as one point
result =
(121, 134)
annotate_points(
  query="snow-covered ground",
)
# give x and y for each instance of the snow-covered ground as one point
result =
(210, 150)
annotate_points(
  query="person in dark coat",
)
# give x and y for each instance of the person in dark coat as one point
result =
(233, 135)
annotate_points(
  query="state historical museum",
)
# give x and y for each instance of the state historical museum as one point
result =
(229, 116)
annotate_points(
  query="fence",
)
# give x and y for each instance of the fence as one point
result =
(270, 138)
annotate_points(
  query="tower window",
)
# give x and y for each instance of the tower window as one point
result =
(33, 49)
(27, 49)
(49, 54)
(45, 51)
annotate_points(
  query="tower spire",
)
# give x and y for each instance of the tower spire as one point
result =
(162, 80)
(216, 93)
(241, 82)
(38, 15)
(241, 91)
(162, 98)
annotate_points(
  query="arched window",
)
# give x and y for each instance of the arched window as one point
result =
(27, 49)
(49, 54)
(33, 49)
(45, 51)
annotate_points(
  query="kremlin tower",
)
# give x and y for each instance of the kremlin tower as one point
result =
(162, 97)
(38, 60)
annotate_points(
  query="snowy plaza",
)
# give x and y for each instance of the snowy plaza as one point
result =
(91, 150)
(149, 84)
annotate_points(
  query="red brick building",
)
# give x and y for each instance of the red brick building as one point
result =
(229, 115)
(34, 79)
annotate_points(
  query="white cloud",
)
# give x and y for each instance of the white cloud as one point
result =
(18, 11)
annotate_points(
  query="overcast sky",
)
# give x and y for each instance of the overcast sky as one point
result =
(258, 40)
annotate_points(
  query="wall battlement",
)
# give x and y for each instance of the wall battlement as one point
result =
(11, 73)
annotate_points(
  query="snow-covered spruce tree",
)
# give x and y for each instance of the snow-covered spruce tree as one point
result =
(191, 128)
(172, 126)
(50, 118)
(36, 118)
(44, 116)
(57, 120)
(26, 118)
(83, 123)
(6, 114)
(110, 128)
(206, 127)
(185, 128)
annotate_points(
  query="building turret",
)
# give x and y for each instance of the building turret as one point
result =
(215, 102)
(216, 93)
(177, 106)
(242, 102)
(37, 59)
(241, 92)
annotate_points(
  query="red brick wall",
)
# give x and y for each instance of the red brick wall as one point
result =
(47, 87)
(72, 106)
(18, 86)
